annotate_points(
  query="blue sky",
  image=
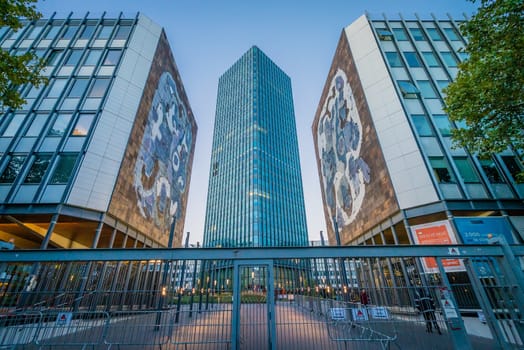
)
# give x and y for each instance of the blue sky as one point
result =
(207, 37)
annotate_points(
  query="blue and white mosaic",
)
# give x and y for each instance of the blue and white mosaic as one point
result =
(161, 168)
(339, 140)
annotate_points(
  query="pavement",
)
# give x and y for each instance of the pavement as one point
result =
(297, 328)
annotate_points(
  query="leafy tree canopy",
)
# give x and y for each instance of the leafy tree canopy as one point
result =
(17, 69)
(487, 95)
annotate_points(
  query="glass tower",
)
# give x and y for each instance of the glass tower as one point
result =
(255, 196)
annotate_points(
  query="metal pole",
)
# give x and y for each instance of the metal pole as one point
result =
(182, 274)
(193, 285)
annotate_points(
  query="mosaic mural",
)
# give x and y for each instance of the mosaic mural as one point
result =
(339, 140)
(355, 184)
(161, 168)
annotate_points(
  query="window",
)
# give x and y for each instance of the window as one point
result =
(400, 34)
(37, 125)
(466, 170)
(33, 33)
(442, 84)
(87, 32)
(513, 165)
(57, 88)
(384, 35)
(394, 59)
(12, 170)
(63, 169)
(105, 32)
(92, 57)
(449, 59)
(52, 32)
(442, 123)
(421, 125)
(74, 58)
(412, 59)
(441, 170)
(69, 32)
(38, 169)
(98, 89)
(54, 57)
(491, 171)
(417, 34)
(60, 125)
(426, 89)
(78, 88)
(122, 33)
(407, 89)
(463, 55)
(451, 34)
(431, 59)
(14, 125)
(112, 57)
(82, 125)
(434, 34)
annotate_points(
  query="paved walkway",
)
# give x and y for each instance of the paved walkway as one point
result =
(296, 328)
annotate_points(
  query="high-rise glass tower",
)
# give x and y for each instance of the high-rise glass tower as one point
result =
(255, 196)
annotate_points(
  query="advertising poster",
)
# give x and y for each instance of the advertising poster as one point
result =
(477, 231)
(438, 232)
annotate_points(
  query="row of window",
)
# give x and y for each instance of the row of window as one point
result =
(413, 59)
(418, 34)
(39, 165)
(57, 30)
(466, 169)
(74, 57)
(60, 123)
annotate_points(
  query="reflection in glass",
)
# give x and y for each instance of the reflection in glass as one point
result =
(13, 169)
(83, 125)
(63, 169)
(60, 125)
(38, 169)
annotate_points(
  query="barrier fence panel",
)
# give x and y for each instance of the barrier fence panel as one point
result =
(438, 297)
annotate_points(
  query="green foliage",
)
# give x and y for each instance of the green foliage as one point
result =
(17, 70)
(487, 95)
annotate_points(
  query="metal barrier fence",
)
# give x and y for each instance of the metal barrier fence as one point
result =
(432, 297)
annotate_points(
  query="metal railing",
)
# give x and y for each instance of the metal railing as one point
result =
(278, 298)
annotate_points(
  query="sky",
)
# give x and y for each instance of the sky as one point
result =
(300, 36)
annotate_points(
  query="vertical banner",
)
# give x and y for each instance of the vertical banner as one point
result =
(438, 232)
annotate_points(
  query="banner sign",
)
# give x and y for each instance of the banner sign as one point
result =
(438, 232)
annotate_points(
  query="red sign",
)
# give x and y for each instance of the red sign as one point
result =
(437, 233)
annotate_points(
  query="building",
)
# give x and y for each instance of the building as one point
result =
(388, 171)
(101, 156)
(255, 195)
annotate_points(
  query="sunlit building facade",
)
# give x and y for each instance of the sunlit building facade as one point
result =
(101, 156)
(388, 171)
(255, 195)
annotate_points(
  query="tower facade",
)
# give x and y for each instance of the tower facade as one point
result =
(255, 196)
(101, 156)
(388, 171)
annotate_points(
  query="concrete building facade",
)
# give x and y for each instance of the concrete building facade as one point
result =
(101, 156)
(388, 171)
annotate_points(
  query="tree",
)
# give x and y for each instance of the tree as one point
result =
(487, 96)
(17, 69)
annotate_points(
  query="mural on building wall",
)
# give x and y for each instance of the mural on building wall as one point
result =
(161, 167)
(356, 187)
(339, 140)
(155, 174)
